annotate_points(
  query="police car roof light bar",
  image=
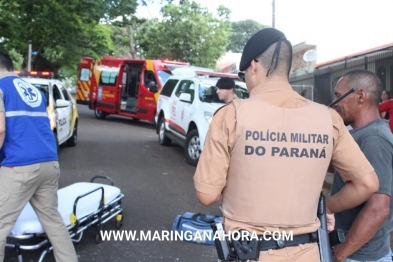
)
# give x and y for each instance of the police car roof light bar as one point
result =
(216, 74)
(341, 97)
(44, 74)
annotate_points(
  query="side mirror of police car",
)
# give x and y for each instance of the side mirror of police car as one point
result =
(153, 87)
(185, 97)
(62, 103)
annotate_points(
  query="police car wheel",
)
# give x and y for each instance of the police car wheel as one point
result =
(97, 238)
(74, 138)
(192, 150)
(99, 114)
(162, 139)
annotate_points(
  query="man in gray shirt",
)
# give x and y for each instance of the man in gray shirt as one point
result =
(367, 226)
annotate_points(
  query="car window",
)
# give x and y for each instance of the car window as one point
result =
(163, 76)
(85, 74)
(65, 94)
(241, 92)
(190, 89)
(56, 93)
(108, 78)
(149, 76)
(168, 87)
(182, 87)
(207, 93)
(44, 89)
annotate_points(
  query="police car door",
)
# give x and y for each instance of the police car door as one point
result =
(70, 116)
(185, 108)
(62, 114)
(175, 124)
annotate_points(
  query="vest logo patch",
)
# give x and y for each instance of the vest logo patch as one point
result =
(29, 93)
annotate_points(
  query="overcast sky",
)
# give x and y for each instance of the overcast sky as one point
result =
(337, 27)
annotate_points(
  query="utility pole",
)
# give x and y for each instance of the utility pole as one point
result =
(274, 13)
(29, 57)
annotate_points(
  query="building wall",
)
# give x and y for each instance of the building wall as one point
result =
(325, 77)
(304, 85)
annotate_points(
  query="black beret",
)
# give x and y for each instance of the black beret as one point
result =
(257, 44)
(225, 83)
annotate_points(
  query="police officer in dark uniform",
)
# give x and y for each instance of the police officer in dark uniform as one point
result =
(226, 89)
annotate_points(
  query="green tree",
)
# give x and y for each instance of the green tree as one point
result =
(241, 32)
(186, 32)
(123, 33)
(17, 59)
(61, 31)
(120, 39)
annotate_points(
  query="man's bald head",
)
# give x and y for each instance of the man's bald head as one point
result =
(366, 80)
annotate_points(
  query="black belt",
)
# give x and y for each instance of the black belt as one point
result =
(281, 243)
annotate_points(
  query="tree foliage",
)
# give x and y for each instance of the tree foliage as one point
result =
(17, 59)
(241, 32)
(61, 31)
(186, 32)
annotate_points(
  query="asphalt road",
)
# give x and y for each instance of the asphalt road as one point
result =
(156, 181)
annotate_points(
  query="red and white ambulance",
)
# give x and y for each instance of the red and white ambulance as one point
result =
(123, 87)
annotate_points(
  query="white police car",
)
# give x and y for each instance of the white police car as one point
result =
(61, 108)
(185, 106)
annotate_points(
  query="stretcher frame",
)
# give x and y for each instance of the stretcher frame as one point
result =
(96, 219)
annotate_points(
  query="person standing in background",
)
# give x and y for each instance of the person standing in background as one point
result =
(385, 97)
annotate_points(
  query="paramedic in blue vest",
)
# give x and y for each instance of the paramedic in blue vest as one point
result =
(30, 168)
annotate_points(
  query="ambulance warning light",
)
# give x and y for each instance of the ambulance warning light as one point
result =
(43, 74)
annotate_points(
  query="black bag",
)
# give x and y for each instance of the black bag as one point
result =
(195, 227)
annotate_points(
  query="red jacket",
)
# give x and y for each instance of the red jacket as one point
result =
(387, 107)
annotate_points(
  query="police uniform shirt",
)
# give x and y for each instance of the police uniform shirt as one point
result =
(211, 176)
(234, 97)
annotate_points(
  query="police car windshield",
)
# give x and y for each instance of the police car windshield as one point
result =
(163, 75)
(207, 93)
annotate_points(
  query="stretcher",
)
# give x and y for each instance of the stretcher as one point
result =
(81, 205)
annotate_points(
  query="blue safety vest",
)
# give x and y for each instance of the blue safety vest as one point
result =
(28, 137)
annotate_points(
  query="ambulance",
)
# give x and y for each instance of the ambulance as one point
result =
(123, 87)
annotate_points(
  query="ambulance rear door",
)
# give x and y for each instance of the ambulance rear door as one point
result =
(85, 81)
(108, 89)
